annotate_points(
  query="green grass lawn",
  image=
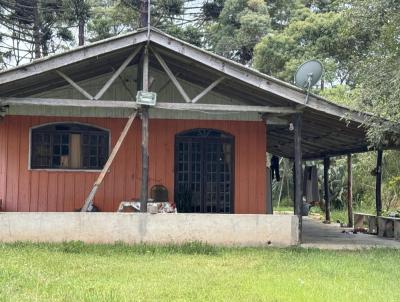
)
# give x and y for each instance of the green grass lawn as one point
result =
(194, 272)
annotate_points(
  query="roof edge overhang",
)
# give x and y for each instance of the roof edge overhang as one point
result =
(215, 62)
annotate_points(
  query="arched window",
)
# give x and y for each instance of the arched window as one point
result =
(68, 146)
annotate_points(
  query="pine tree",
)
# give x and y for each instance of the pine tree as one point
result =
(32, 29)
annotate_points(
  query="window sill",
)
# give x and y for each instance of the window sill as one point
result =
(65, 170)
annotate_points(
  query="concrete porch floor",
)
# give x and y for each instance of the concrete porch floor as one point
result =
(331, 236)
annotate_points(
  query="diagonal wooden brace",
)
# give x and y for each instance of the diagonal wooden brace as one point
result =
(117, 73)
(89, 199)
(75, 85)
(171, 76)
(207, 90)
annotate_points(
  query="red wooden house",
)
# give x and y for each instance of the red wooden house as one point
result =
(208, 134)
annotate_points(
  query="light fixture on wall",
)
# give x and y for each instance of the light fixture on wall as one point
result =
(146, 98)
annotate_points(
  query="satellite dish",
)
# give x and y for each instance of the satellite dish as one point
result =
(308, 74)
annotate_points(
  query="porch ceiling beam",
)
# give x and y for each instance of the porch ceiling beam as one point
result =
(318, 134)
(207, 90)
(285, 140)
(324, 142)
(67, 103)
(128, 104)
(171, 76)
(224, 108)
(117, 73)
(75, 85)
(338, 152)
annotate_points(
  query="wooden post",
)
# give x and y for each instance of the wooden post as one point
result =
(268, 184)
(326, 190)
(350, 191)
(297, 167)
(145, 136)
(294, 188)
(378, 185)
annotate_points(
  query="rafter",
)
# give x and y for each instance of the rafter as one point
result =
(207, 90)
(117, 73)
(106, 86)
(171, 76)
(75, 85)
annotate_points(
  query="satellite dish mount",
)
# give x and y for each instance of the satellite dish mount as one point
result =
(308, 74)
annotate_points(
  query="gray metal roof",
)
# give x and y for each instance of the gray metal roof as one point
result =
(328, 129)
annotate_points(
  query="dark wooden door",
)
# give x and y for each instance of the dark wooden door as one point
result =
(204, 172)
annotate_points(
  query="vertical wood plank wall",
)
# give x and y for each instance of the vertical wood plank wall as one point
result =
(22, 189)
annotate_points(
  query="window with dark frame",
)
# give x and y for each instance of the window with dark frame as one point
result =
(69, 146)
(204, 162)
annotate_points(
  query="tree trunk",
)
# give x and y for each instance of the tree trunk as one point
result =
(36, 28)
(81, 34)
(45, 48)
(143, 16)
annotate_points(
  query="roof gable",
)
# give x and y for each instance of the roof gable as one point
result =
(102, 56)
(325, 130)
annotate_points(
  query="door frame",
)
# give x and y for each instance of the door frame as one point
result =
(229, 138)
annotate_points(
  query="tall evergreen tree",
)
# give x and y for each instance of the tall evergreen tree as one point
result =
(77, 12)
(376, 24)
(31, 29)
(238, 28)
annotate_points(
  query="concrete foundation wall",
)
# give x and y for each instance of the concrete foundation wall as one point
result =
(217, 229)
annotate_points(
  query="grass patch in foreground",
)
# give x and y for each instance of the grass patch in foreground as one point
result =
(194, 272)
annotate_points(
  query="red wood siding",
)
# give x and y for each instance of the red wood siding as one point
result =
(22, 189)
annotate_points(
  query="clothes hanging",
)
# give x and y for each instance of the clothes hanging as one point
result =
(275, 168)
(310, 184)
